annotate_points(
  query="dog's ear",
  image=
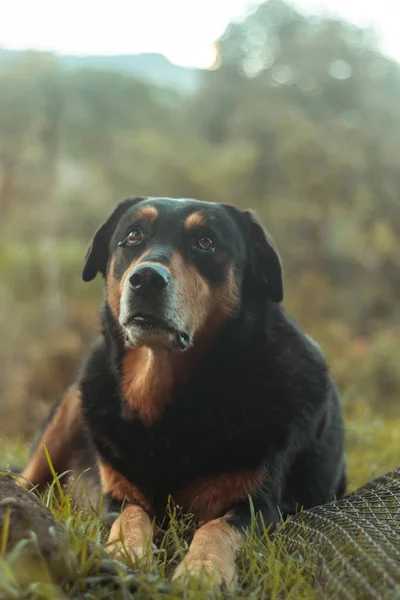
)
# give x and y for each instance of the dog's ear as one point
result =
(97, 254)
(265, 261)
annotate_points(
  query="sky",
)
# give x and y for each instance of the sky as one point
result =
(182, 30)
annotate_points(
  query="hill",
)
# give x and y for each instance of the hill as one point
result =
(151, 67)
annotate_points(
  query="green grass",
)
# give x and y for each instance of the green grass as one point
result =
(265, 571)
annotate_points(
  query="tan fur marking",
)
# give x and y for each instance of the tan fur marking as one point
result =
(206, 307)
(147, 382)
(119, 487)
(147, 213)
(137, 533)
(195, 290)
(194, 220)
(137, 529)
(209, 497)
(59, 436)
(226, 297)
(212, 554)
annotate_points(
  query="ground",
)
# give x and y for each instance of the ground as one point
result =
(264, 571)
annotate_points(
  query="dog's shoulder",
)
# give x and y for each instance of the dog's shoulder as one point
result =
(293, 344)
(299, 368)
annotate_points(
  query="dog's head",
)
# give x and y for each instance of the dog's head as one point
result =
(175, 268)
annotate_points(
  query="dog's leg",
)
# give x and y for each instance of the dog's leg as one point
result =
(212, 553)
(133, 529)
(61, 429)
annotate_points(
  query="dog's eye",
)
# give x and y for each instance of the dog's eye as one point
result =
(206, 244)
(134, 237)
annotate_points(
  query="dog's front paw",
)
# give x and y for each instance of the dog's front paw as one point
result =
(208, 568)
(119, 551)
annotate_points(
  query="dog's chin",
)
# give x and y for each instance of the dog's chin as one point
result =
(138, 334)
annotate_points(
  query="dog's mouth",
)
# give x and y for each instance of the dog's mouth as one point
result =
(148, 322)
(144, 327)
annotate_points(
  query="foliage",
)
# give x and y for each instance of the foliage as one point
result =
(300, 121)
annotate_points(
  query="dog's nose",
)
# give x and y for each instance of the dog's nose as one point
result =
(146, 279)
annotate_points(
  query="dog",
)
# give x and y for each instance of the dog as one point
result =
(201, 386)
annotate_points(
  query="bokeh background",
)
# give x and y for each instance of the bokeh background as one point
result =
(297, 117)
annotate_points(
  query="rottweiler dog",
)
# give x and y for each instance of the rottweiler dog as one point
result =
(201, 387)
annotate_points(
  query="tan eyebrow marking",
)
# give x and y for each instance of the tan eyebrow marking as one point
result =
(148, 213)
(196, 219)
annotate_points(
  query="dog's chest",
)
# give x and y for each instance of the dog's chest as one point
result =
(222, 423)
(169, 450)
(190, 440)
(199, 472)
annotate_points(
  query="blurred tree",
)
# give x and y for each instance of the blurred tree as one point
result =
(319, 106)
(20, 114)
(301, 121)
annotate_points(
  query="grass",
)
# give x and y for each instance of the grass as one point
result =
(264, 569)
